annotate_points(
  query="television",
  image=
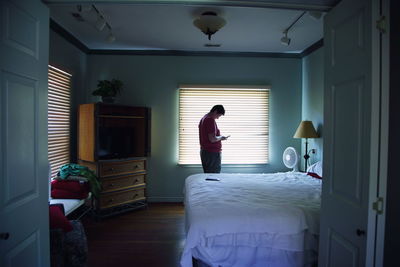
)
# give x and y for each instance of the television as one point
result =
(121, 137)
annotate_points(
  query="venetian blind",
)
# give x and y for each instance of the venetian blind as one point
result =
(246, 120)
(59, 113)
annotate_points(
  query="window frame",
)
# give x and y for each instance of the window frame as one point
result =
(263, 88)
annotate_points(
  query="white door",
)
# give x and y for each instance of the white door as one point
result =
(24, 226)
(351, 134)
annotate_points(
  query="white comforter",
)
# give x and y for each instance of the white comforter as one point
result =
(269, 210)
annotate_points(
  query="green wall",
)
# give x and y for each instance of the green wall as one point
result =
(152, 81)
(313, 99)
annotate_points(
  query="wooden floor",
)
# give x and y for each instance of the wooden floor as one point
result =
(148, 237)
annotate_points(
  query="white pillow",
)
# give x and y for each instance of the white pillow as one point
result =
(316, 168)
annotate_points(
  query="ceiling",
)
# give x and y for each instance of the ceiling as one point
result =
(251, 26)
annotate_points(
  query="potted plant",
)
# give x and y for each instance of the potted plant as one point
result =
(108, 90)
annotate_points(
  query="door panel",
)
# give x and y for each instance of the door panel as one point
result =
(347, 116)
(20, 181)
(347, 134)
(339, 245)
(16, 18)
(24, 37)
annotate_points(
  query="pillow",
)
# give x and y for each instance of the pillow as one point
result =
(58, 219)
(315, 170)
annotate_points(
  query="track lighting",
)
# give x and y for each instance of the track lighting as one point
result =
(100, 23)
(285, 40)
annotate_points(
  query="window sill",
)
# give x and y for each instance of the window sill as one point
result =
(227, 165)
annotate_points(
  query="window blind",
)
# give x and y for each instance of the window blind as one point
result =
(59, 113)
(246, 120)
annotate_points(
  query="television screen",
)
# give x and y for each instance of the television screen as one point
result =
(118, 138)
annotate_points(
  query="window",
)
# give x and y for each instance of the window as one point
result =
(246, 120)
(59, 112)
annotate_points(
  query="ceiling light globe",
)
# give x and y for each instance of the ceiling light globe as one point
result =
(209, 23)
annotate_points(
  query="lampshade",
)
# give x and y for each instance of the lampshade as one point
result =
(209, 23)
(306, 130)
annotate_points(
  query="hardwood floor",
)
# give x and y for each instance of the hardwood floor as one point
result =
(148, 237)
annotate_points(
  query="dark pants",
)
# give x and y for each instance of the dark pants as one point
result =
(211, 161)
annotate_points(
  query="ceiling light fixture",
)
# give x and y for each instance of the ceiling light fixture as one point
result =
(285, 40)
(209, 23)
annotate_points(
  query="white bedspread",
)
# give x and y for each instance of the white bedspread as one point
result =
(268, 210)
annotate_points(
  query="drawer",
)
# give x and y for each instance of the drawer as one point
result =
(122, 182)
(113, 168)
(121, 197)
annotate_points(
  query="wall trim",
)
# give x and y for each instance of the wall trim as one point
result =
(165, 199)
(312, 48)
(192, 53)
(68, 36)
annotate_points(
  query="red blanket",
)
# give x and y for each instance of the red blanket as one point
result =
(69, 189)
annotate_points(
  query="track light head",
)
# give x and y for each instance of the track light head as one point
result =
(285, 40)
(111, 37)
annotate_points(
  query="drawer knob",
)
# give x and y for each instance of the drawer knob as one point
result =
(136, 166)
(136, 195)
(112, 184)
(136, 181)
(111, 200)
(111, 169)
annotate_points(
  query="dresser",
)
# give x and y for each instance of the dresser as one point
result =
(114, 142)
(123, 185)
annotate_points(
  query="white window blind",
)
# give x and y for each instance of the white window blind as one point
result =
(59, 113)
(246, 120)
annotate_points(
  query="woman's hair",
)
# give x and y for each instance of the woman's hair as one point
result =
(219, 108)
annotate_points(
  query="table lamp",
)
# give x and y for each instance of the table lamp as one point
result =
(306, 130)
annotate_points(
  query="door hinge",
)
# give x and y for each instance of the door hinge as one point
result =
(378, 205)
(381, 24)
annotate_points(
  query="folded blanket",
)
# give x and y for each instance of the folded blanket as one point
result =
(72, 178)
(73, 186)
(72, 169)
(65, 194)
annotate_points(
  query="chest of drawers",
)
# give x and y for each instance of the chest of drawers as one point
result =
(123, 185)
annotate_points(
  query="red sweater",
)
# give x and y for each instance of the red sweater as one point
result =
(208, 125)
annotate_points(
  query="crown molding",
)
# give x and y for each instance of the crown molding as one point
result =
(312, 48)
(68, 36)
(233, 3)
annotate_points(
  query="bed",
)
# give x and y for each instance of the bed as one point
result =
(252, 220)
